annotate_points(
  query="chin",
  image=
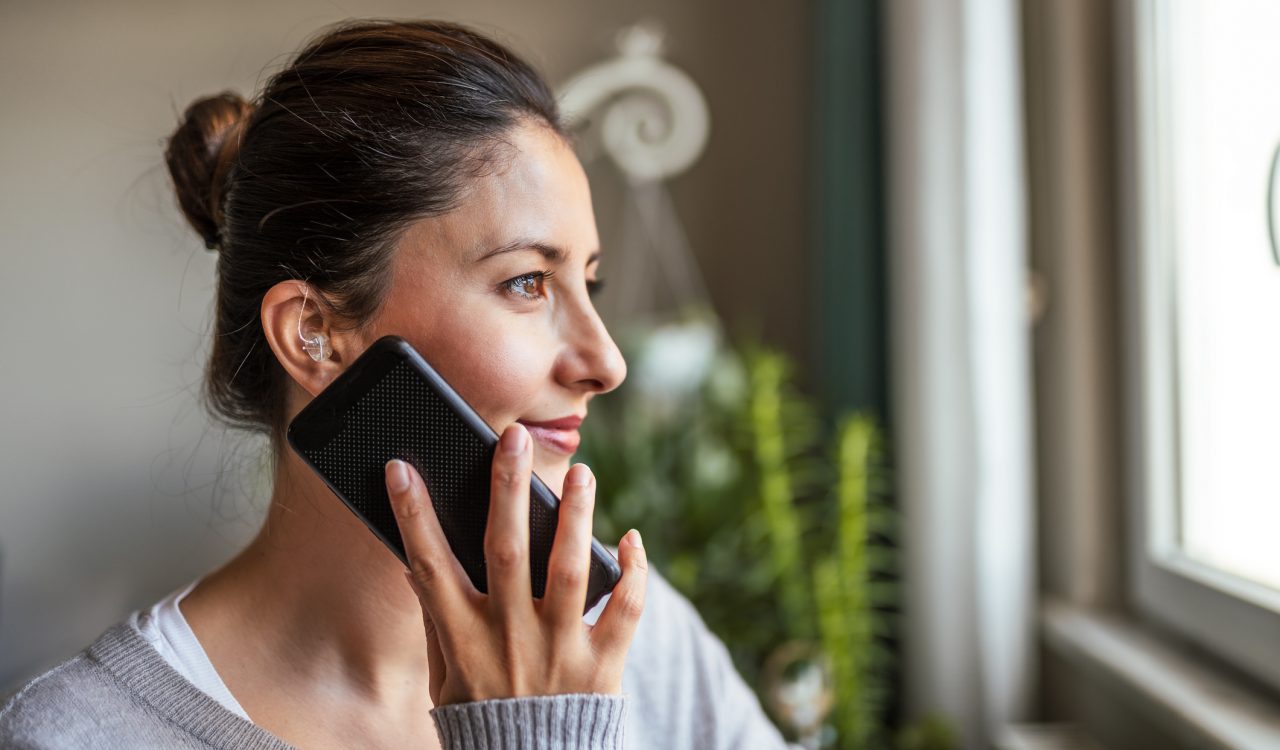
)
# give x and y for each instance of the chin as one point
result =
(552, 473)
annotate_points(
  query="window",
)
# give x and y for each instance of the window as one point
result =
(1205, 283)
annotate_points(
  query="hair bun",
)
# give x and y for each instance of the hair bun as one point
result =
(200, 154)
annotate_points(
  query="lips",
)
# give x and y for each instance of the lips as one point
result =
(559, 435)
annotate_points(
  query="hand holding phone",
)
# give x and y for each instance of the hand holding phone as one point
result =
(510, 643)
(391, 404)
(478, 530)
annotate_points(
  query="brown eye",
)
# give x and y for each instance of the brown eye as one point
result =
(529, 285)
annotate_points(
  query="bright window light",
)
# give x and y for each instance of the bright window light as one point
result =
(1218, 138)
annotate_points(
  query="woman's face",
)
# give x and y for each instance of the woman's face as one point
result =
(495, 295)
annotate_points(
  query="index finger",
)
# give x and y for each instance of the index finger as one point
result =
(431, 561)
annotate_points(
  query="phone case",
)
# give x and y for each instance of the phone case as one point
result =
(389, 403)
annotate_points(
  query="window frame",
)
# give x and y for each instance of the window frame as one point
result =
(1235, 619)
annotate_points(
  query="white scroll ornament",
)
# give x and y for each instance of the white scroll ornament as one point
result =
(655, 121)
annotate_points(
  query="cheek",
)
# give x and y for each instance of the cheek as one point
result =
(507, 379)
(493, 360)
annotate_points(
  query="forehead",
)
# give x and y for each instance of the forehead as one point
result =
(534, 189)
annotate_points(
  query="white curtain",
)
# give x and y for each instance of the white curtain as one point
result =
(961, 359)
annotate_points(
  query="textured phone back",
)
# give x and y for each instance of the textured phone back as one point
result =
(402, 416)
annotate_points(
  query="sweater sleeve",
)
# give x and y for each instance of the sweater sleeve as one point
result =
(550, 722)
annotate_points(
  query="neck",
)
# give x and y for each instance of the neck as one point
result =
(325, 597)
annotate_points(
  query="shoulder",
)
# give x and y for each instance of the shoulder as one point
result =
(684, 688)
(117, 692)
(668, 615)
(60, 707)
(672, 644)
(666, 624)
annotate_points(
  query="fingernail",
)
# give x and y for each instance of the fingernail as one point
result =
(633, 538)
(397, 476)
(579, 475)
(513, 441)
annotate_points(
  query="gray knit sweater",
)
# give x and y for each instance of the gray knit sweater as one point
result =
(680, 690)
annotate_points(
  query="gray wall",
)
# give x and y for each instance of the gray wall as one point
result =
(116, 488)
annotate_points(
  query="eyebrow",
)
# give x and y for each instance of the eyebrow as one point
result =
(548, 251)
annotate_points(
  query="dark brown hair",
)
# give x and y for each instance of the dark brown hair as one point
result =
(373, 125)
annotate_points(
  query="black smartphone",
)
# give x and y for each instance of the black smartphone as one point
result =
(389, 403)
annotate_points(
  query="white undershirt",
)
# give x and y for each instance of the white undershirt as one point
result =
(167, 630)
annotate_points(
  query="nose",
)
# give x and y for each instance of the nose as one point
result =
(590, 360)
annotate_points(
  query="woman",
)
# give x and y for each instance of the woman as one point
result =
(407, 178)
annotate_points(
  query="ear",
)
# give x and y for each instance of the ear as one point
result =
(283, 313)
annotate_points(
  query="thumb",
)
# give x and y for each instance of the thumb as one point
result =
(435, 661)
(435, 657)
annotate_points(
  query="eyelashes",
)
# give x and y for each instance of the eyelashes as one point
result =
(522, 285)
(531, 286)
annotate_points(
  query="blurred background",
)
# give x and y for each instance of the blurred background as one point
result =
(948, 322)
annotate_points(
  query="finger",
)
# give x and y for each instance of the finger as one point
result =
(612, 632)
(506, 536)
(437, 575)
(570, 561)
